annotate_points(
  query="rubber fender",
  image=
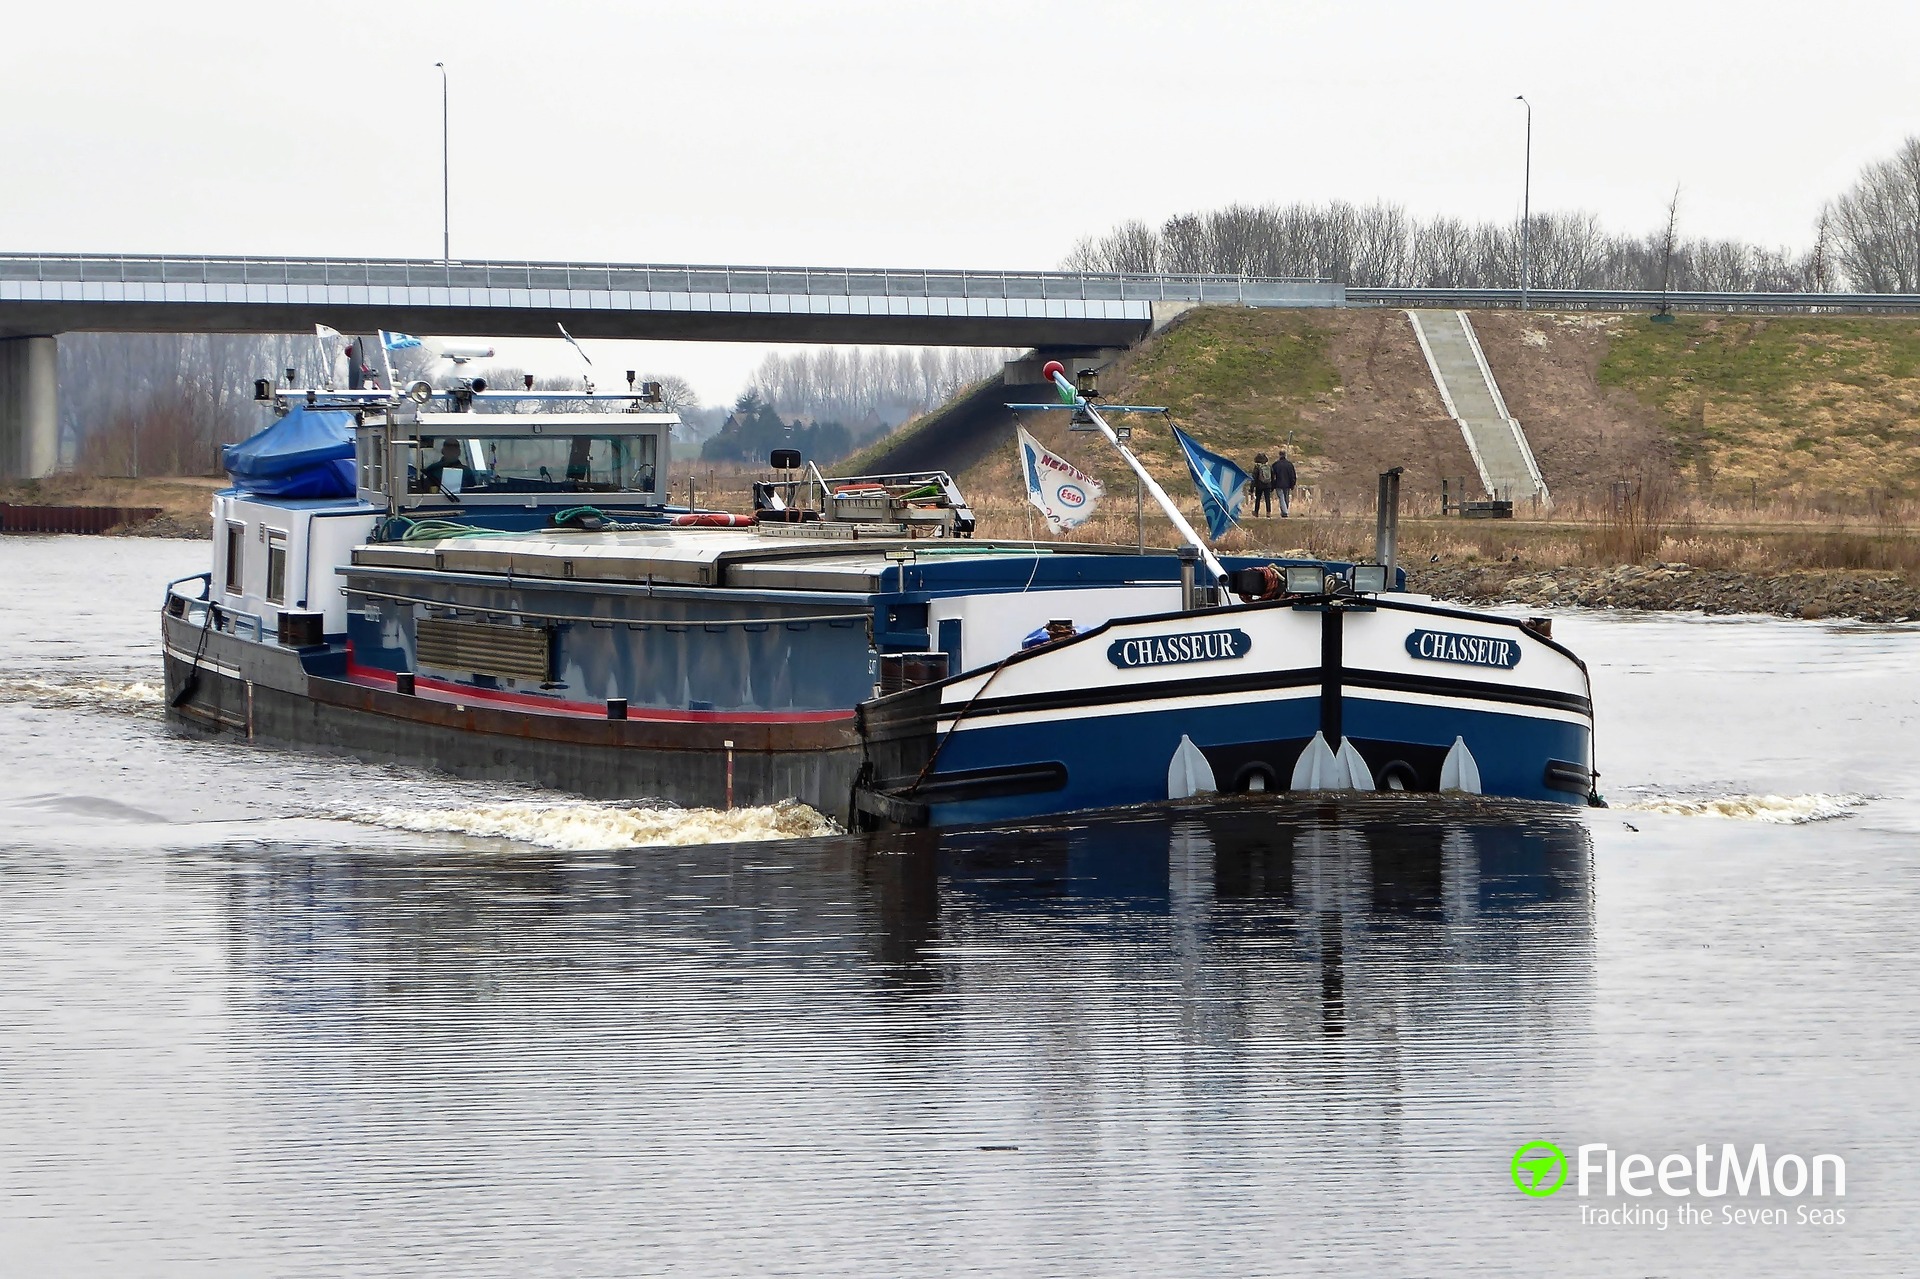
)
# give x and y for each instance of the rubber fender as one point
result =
(713, 519)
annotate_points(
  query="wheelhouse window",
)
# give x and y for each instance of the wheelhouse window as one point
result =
(370, 451)
(559, 463)
(236, 548)
(276, 567)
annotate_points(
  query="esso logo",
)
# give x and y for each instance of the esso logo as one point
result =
(1072, 495)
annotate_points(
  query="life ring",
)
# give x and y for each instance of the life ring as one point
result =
(713, 519)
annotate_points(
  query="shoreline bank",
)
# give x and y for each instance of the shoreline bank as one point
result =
(1864, 595)
(1672, 587)
(183, 501)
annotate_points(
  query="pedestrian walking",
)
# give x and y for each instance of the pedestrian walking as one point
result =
(1284, 479)
(1262, 483)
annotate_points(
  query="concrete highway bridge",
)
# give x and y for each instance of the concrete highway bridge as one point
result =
(1079, 318)
(42, 296)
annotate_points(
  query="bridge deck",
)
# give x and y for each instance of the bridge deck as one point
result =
(42, 294)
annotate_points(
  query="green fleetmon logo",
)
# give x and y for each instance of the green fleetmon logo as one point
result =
(1539, 1168)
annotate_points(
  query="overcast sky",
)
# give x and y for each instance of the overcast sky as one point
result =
(957, 134)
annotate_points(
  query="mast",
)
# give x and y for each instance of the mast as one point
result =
(1056, 373)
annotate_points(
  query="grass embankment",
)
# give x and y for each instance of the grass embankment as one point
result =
(1821, 410)
(1796, 443)
(1240, 381)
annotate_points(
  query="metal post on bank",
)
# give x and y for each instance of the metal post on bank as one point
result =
(1526, 207)
(1386, 520)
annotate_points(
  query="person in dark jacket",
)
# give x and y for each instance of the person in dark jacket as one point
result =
(1262, 484)
(1284, 479)
(450, 460)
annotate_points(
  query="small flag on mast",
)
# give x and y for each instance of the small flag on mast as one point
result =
(575, 345)
(1221, 484)
(398, 341)
(1061, 491)
(330, 364)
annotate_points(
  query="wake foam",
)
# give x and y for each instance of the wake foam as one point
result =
(583, 826)
(1787, 810)
(111, 694)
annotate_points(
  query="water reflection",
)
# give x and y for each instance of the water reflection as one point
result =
(1350, 916)
(1355, 914)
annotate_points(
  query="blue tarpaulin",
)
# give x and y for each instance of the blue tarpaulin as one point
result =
(307, 453)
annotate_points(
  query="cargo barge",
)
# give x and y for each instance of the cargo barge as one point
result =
(497, 585)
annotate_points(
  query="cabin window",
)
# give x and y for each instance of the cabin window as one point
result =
(592, 463)
(236, 547)
(276, 567)
(645, 451)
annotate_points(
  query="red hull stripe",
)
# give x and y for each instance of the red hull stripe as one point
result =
(441, 690)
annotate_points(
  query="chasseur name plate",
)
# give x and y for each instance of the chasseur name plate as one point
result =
(1467, 650)
(1172, 650)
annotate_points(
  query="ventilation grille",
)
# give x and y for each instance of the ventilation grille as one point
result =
(510, 652)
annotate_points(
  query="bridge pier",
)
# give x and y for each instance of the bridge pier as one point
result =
(29, 408)
(1025, 371)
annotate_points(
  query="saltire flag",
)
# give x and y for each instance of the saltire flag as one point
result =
(1222, 485)
(398, 341)
(575, 345)
(1061, 491)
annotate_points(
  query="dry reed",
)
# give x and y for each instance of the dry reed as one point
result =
(1638, 524)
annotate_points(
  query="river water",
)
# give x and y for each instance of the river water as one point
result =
(271, 1014)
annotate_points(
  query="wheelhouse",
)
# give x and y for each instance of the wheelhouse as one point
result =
(475, 460)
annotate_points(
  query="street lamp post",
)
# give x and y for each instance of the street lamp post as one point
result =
(446, 178)
(1526, 207)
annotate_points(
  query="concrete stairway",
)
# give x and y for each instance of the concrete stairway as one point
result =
(1472, 397)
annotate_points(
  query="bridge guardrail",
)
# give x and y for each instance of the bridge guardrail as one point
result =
(85, 268)
(885, 282)
(1630, 300)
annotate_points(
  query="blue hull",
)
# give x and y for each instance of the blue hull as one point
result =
(1513, 750)
(1110, 759)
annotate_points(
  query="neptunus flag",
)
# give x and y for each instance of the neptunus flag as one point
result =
(1063, 492)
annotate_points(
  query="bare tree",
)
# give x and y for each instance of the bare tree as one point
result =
(1380, 244)
(868, 389)
(1820, 265)
(1666, 247)
(676, 392)
(1875, 224)
(155, 404)
(1129, 247)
